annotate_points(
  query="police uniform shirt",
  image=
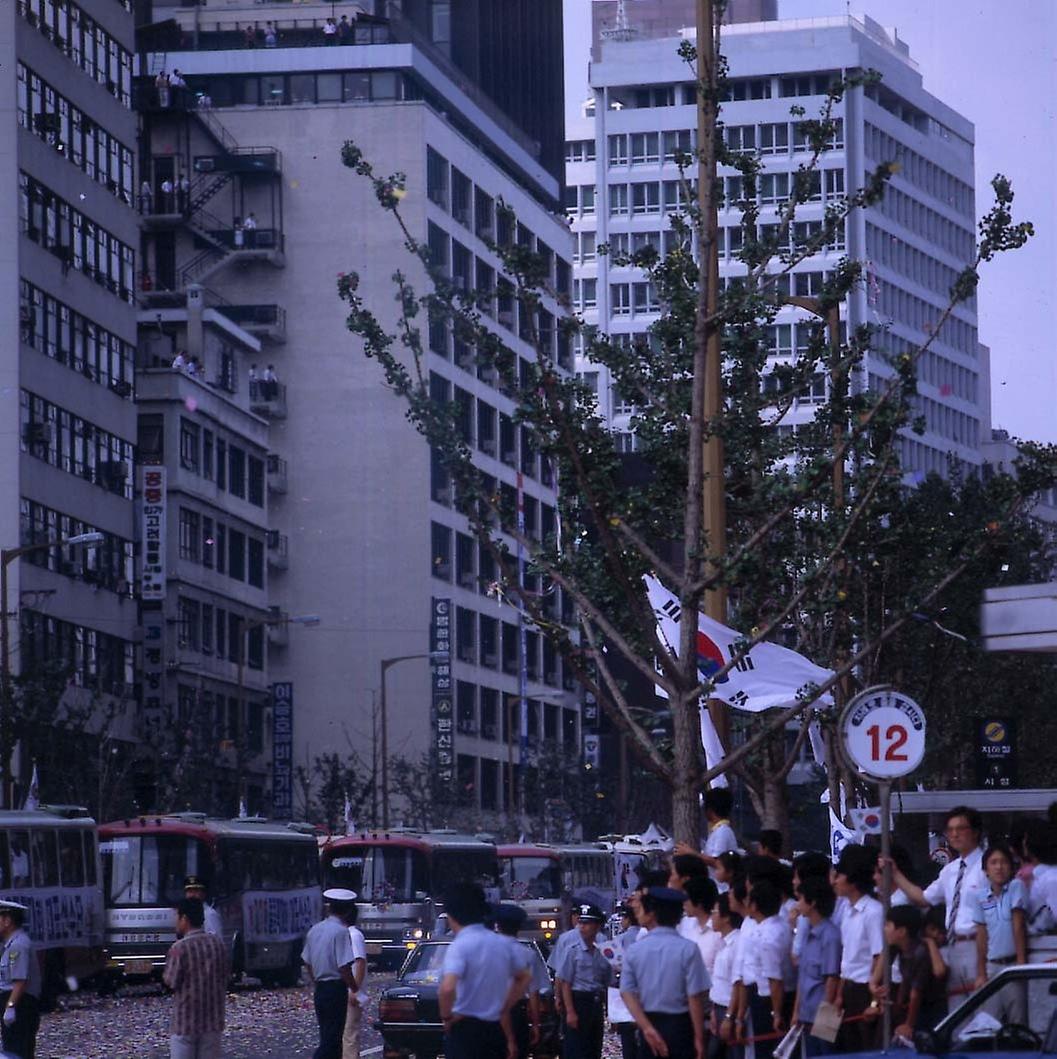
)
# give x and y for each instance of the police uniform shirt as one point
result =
(523, 961)
(18, 964)
(484, 964)
(327, 949)
(584, 967)
(663, 970)
(569, 937)
(213, 923)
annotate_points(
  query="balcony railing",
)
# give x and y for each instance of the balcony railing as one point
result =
(269, 320)
(268, 399)
(276, 473)
(278, 554)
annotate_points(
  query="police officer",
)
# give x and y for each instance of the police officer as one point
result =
(664, 982)
(525, 1014)
(19, 983)
(195, 888)
(328, 955)
(583, 974)
(480, 981)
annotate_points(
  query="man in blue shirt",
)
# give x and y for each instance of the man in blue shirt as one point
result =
(664, 982)
(525, 1015)
(480, 982)
(818, 969)
(582, 975)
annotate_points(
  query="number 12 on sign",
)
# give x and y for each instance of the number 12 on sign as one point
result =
(883, 732)
(887, 749)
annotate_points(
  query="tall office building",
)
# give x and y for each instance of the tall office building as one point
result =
(622, 183)
(66, 376)
(369, 536)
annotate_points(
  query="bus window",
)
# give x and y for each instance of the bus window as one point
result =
(89, 858)
(531, 878)
(45, 858)
(465, 865)
(71, 858)
(20, 858)
(345, 869)
(394, 873)
(149, 869)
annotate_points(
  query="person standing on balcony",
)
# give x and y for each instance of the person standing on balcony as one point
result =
(161, 83)
(166, 204)
(271, 38)
(271, 383)
(183, 192)
(249, 226)
(330, 31)
(145, 198)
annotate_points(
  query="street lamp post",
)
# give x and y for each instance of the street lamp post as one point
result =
(384, 667)
(7, 557)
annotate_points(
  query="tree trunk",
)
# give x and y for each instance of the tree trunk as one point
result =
(776, 807)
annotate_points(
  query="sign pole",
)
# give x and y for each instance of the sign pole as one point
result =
(885, 790)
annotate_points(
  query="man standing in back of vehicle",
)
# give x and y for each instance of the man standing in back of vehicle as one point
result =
(329, 957)
(197, 971)
(480, 982)
(19, 983)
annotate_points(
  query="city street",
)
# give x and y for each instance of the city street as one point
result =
(261, 1023)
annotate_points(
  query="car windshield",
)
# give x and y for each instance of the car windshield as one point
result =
(425, 963)
(528, 878)
(1016, 1012)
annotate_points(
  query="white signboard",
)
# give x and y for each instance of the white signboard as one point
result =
(883, 733)
(285, 916)
(61, 917)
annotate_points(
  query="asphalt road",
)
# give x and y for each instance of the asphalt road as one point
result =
(261, 1024)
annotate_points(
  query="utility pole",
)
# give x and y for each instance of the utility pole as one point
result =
(707, 332)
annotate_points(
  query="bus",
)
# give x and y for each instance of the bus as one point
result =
(262, 877)
(530, 876)
(588, 875)
(400, 876)
(49, 862)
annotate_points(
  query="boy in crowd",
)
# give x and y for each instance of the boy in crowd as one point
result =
(921, 1000)
(772, 989)
(818, 970)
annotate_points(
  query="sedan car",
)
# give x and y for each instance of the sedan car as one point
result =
(1015, 1014)
(409, 1014)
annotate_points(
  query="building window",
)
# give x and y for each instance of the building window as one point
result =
(190, 437)
(620, 299)
(440, 560)
(618, 150)
(645, 198)
(237, 555)
(466, 707)
(255, 481)
(678, 142)
(236, 471)
(645, 148)
(618, 200)
(256, 562)
(190, 534)
(466, 635)
(774, 138)
(437, 180)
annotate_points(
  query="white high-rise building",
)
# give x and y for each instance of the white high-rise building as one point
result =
(623, 182)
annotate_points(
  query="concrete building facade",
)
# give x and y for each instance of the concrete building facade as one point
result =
(66, 375)
(623, 181)
(375, 541)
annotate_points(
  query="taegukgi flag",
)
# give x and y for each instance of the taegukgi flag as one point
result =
(769, 677)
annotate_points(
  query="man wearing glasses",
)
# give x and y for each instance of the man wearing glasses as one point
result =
(955, 887)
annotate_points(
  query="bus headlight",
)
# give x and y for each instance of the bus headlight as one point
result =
(414, 934)
(548, 924)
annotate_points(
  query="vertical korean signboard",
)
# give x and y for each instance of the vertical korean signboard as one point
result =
(283, 751)
(152, 493)
(442, 714)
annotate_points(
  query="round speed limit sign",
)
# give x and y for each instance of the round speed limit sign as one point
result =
(883, 733)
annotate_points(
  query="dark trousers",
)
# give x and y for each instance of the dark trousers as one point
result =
(763, 1021)
(471, 1038)
(585, 1042)
(858, 1035)
(814, 1046)
(332, 1002)
(629, 1039)
(20, 1038)
(678, 1034)
(519, 1022)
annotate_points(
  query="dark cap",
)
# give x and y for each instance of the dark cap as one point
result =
(666, 893)
(622, 909)
(510, 916)
(192, 882)
(590, 914)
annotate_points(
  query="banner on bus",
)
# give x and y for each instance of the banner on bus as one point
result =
(60, 917)
(287, 916)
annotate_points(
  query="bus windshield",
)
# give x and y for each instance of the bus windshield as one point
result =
(465, 865)
(531, 878)
(379, 873)
(150, 869)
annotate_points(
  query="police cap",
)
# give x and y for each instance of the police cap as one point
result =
(510, 916)
(339, 893)
(666, 893)
(591, 914)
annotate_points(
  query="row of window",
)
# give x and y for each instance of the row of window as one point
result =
(948, 422)
(278, 90)
(950, 379)
(212, 630)
(62, 333)
(919, 171)
(225, 712)
(778, 137)
(75, 445)
(75, 239)
(915, 216)
(57, 121)
(37, 855)
(107, 564)
(627, 299)
(903, 307)
(216, 546)
(893, 252)
(225, 463)
(83, 41)
(634, 97)
(478, 212)
(479, 712)
(95, 659)
(919, 458)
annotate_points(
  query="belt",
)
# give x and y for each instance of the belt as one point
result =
(587, 994)
(961, 937)
(1003, 960)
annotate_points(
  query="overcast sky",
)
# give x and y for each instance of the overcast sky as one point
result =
(995, 61)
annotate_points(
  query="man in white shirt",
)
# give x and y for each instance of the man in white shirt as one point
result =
(696, 923)
(774, 987)
(956, 887)
(350, 1039)
(862, 941)
(721, 837)
(1040, 845)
